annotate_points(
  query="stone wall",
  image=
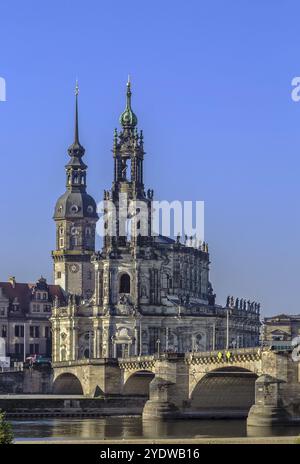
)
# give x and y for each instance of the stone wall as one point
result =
(28, 381)
(53, 406)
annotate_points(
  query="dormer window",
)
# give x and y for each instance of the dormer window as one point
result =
(35, 308)
(90, 209)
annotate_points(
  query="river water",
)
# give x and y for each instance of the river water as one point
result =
(135, 428)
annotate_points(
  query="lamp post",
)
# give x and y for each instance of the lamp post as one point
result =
(214, 337)
(141, 340)
(158, 347)
(24, 341)
(227, 329)
(90, 344)
(167, 339)
(193, 343)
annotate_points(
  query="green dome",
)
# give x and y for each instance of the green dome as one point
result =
(128, 118)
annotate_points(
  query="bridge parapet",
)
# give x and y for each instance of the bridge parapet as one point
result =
(225, 356)
(137, 363)
(216, 357)
(149, 361)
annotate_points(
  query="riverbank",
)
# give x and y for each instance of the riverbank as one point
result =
(76, 406)
(178, 441)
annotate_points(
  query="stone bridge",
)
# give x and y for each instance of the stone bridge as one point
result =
(192, 384)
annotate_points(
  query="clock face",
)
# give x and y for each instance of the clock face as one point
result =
(74, 268)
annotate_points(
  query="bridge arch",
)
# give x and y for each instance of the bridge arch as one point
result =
(67, 384)
(137, 383)
(228, 387)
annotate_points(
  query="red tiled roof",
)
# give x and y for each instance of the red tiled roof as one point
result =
(23, 293)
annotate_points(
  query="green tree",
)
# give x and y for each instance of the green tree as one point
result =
(6, 434)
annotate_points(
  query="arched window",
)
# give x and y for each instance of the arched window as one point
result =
(125, 283)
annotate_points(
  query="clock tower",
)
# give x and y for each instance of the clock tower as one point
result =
(75, 217)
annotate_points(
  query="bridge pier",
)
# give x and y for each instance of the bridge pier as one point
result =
(169, 390)
(268, 409)
(160, 406)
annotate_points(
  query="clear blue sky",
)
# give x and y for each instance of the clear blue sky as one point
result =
(212, 84)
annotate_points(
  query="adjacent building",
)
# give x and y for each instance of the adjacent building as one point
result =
(25, 310)
(281, 329)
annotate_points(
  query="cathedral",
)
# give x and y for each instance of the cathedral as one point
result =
(143, 293)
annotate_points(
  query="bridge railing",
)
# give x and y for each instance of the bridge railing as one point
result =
(195, 354)
(235, 351)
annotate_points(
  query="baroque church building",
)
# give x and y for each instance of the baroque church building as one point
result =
(141, 294)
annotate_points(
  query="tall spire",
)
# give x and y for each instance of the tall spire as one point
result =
(128, 94)
(128, 119)
(76, 149)
(76, 113)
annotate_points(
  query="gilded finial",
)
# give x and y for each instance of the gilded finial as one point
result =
(76, 88)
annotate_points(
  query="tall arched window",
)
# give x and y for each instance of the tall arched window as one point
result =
(125, 283)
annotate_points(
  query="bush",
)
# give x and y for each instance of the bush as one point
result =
(6, 434)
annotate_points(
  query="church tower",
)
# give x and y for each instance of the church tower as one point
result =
(128, 184)
(75, 217)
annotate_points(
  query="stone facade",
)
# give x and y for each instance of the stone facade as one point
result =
(28, 381)
(151, 293)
